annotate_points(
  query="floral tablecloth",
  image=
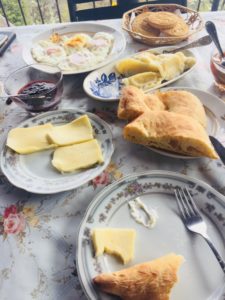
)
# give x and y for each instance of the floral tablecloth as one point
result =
(38, 232)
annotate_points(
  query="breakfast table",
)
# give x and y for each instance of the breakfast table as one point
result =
(38, 233)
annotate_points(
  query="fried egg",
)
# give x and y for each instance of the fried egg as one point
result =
(77, 52)
(50, 54)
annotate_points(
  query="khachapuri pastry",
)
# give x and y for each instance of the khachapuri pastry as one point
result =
(161, 20)
(180, 29)
(170, 131)
(174, 120)
(185, 103)
(134, 102)
(142, 26)
(146, 69)
(152, 280)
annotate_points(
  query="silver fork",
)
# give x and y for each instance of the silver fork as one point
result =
(193, 220)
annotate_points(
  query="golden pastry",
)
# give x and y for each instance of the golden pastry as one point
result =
(134, 102)
(161, 20)
(140, 25)
(158, 66)
(180, 29)
(170, 131)
(151, 280)
(144, 81)
(131, 66)
(185, 103)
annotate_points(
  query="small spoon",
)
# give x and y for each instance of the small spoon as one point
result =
(211, 29)
(9, 100)
(203, 41)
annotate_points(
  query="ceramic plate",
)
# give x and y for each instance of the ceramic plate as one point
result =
(88, 28)
(200, 277)
(105, 84)
(214, 109)
(34, 172)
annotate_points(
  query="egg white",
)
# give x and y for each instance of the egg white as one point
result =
(77, 57)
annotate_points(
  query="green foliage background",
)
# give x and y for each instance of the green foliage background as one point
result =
(49, 11)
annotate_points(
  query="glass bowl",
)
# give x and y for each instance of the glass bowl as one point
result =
(218, 70)
(36, 87)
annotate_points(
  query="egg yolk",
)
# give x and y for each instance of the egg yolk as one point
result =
(76, 41)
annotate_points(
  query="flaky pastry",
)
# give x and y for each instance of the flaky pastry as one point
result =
(151, 280)
(173, 120)
(170, 131)
(134, 102)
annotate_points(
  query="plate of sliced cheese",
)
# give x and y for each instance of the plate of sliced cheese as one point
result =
(132, 242)
(57, 151)
(146, 70)
(175, 122)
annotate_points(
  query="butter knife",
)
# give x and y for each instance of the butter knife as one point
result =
(220, 149)
(203, 41)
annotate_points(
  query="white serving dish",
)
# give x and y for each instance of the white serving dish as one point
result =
(35, 173)
(105, 83)
(200, 276)
(81, 27)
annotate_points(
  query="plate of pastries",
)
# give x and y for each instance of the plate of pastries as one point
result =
(147, 70)
(175, 122)
(162, 24)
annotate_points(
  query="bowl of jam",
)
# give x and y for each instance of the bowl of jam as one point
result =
(34, 89)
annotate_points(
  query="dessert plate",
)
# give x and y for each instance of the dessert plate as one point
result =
(81, 27)
(200, 277)
(105, 83)
(35, 173)
(214, 108)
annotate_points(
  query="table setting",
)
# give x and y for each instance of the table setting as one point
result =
(83, 161)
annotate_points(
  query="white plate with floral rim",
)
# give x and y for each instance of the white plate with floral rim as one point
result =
(200, 277)
(215, 113)
(34, 172)
(105, 83)
(118, 45)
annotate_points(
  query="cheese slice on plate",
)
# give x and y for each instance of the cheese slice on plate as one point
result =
(77, 156)
(115, 241)
(28, 140)
(78, 131)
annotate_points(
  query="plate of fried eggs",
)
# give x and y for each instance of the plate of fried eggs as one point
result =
(76, 48)
(148, 70)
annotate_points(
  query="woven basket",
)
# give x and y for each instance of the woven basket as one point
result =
(191, 17)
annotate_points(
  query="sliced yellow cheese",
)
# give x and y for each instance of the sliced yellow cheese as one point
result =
(115, 241)
(78, 131)
(28, 140)
(77, 156)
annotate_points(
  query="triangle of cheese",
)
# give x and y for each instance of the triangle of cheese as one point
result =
(115, 241)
